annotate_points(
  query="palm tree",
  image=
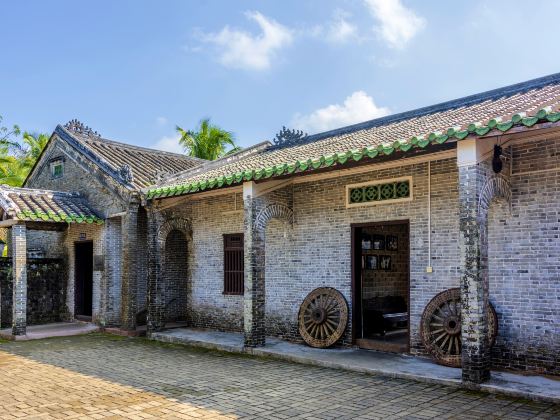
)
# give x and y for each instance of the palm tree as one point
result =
(7, 135)
(15, 167)
(208, 141)
(12, 171)
(33, 147)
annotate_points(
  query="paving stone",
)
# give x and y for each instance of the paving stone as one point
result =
(100, 376)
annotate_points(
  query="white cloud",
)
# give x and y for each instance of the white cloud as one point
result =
(357, 107)
(398, 24)
(169, 144)
(161, 121)
(337, 31)
(243, 50)
(340, 30)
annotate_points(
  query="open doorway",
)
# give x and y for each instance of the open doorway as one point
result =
(381, 280)
(83, 291)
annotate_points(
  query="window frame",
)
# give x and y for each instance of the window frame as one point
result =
(379, 202)
(234, 278)
(53, 164)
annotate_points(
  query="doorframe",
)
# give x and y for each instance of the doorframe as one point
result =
(76, 316)
(356, 314)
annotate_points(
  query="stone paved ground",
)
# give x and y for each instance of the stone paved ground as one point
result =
(100, 376)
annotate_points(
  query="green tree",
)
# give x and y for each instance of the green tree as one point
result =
(17, 158)
(208, 141)
(33, 145)
(8, 135)
(12, 171)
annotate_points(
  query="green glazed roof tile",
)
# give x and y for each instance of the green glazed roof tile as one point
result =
(442, 123)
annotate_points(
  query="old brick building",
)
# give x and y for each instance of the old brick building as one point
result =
(432, 232)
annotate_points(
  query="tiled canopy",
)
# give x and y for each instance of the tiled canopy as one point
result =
(524, 104)
(48, 206)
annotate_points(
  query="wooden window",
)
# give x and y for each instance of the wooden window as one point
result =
(233, 264)
(57, 168)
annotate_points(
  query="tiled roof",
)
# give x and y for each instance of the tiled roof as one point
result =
(521, 104)
(146, 164)
(44, 205)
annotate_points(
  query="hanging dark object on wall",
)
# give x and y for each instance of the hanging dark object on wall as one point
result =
(497, 164)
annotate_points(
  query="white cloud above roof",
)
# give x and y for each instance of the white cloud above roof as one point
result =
(357, 107)
(169, 144)
(398, 24)
(243, 50)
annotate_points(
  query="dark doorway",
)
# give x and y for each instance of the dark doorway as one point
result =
(83, 291)
(381, 285)
(175, 285)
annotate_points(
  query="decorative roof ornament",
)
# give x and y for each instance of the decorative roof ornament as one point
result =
(288, 137)
(80, 128)
(160, 175)
(125, 173)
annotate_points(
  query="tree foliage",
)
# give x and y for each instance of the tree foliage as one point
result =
(207, 141)
(18, 155)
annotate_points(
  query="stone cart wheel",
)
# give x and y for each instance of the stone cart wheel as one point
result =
(322, 317)
(440, 327)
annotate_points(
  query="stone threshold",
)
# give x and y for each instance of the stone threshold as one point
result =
(56, 329)
(392, 365)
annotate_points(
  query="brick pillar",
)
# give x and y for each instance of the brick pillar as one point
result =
(254, 298)
(156, 308)
(19, 261)
(129, 255)
(474, 276)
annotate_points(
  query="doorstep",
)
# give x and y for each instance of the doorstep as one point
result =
(56, 329)
(366, 361)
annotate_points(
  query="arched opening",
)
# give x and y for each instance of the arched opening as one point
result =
(282, 294)
(501, 269)
(175, 277)
(255, 292)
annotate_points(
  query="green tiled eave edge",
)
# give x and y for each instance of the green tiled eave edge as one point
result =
(421, 142)
(53, 217)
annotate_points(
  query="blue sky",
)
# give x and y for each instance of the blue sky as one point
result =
(134, 69)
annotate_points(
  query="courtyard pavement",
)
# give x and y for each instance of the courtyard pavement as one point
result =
(104, 376)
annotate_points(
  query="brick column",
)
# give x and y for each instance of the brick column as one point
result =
(129, 255)
(19, 261)
(254, 298)
(474, 276)
(156, 308)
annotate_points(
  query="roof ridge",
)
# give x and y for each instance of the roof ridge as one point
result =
(210, 164)
(10, 188)
(131, 146)
(491, 94)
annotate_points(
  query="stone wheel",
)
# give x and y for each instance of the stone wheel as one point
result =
(322, 317)
(441, 327)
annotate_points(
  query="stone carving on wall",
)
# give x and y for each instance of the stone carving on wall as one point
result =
(125, 173)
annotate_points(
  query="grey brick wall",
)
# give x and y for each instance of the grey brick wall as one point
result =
(112, 291)
(319, 242)
(107, 197)
(175, 277)
(524, 262)
(50, 242)
(79, 176)
(210, 218)
(523, 259)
